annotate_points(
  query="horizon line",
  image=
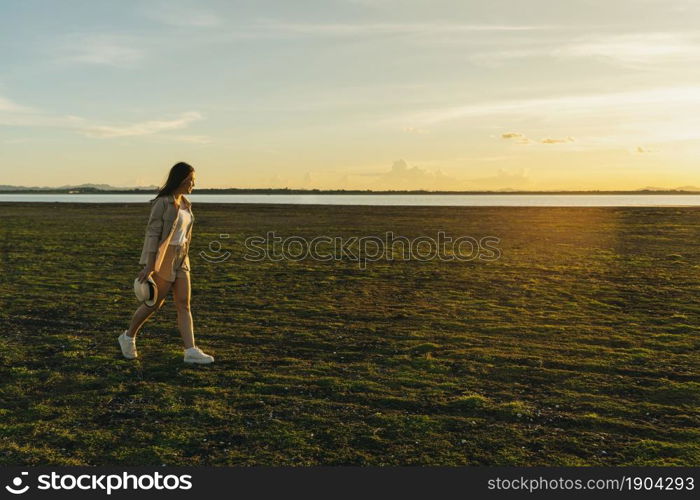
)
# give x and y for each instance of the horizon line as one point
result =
(90, 189)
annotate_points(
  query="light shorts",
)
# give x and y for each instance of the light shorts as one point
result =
(174, 263)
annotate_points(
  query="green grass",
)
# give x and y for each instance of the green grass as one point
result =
(579, 346)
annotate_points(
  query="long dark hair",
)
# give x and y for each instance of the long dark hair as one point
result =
(177, 174)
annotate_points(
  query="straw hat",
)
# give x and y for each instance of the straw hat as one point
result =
(146, 292)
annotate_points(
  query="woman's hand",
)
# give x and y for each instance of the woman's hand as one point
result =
(145, 273)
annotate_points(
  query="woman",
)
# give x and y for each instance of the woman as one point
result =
(165, 256)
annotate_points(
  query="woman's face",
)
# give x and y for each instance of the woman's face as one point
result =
(187, 184)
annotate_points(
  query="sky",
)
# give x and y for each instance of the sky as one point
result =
(352, 94)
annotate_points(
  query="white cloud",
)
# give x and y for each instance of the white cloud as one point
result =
(276, 181)
(193, 139)
(366, 29)
(180, 15)
(496, 58)
(413, 130)
(549, 140)
(36, 120)
(99, 49)
(523, 139)
(635, 48)
(373, 3)
(503, 180)
(558, 106)
(142, 128)
(308, 180)
(15, 115)
(401, 176)
(628, 49)
(516, 135)
(8, 105)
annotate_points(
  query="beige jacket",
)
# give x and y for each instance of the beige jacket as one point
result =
(161, 227)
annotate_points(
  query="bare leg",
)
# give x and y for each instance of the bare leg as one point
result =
(181, 292)
(144, 312)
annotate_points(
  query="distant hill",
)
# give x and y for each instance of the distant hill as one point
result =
(92, 187)
(681, 188)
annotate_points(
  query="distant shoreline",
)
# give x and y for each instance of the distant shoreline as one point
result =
(93, 191)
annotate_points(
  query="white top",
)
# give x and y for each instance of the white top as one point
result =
(182, 225)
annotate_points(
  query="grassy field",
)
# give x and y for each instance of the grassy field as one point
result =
(579, 346)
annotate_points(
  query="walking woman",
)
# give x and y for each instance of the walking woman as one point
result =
(166, 260)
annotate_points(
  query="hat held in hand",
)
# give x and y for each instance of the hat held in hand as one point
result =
(146, 292)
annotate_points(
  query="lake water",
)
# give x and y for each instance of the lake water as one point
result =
(481, 200)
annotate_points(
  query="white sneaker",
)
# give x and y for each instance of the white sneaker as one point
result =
(128, 345)
(195, 355)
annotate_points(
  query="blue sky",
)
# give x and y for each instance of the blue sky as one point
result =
(352, 94)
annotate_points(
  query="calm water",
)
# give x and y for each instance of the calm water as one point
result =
(510, 200)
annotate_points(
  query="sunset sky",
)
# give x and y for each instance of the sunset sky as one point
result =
(368, 94)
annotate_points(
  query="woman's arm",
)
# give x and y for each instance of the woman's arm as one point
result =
(153, 230)
(155, 226)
